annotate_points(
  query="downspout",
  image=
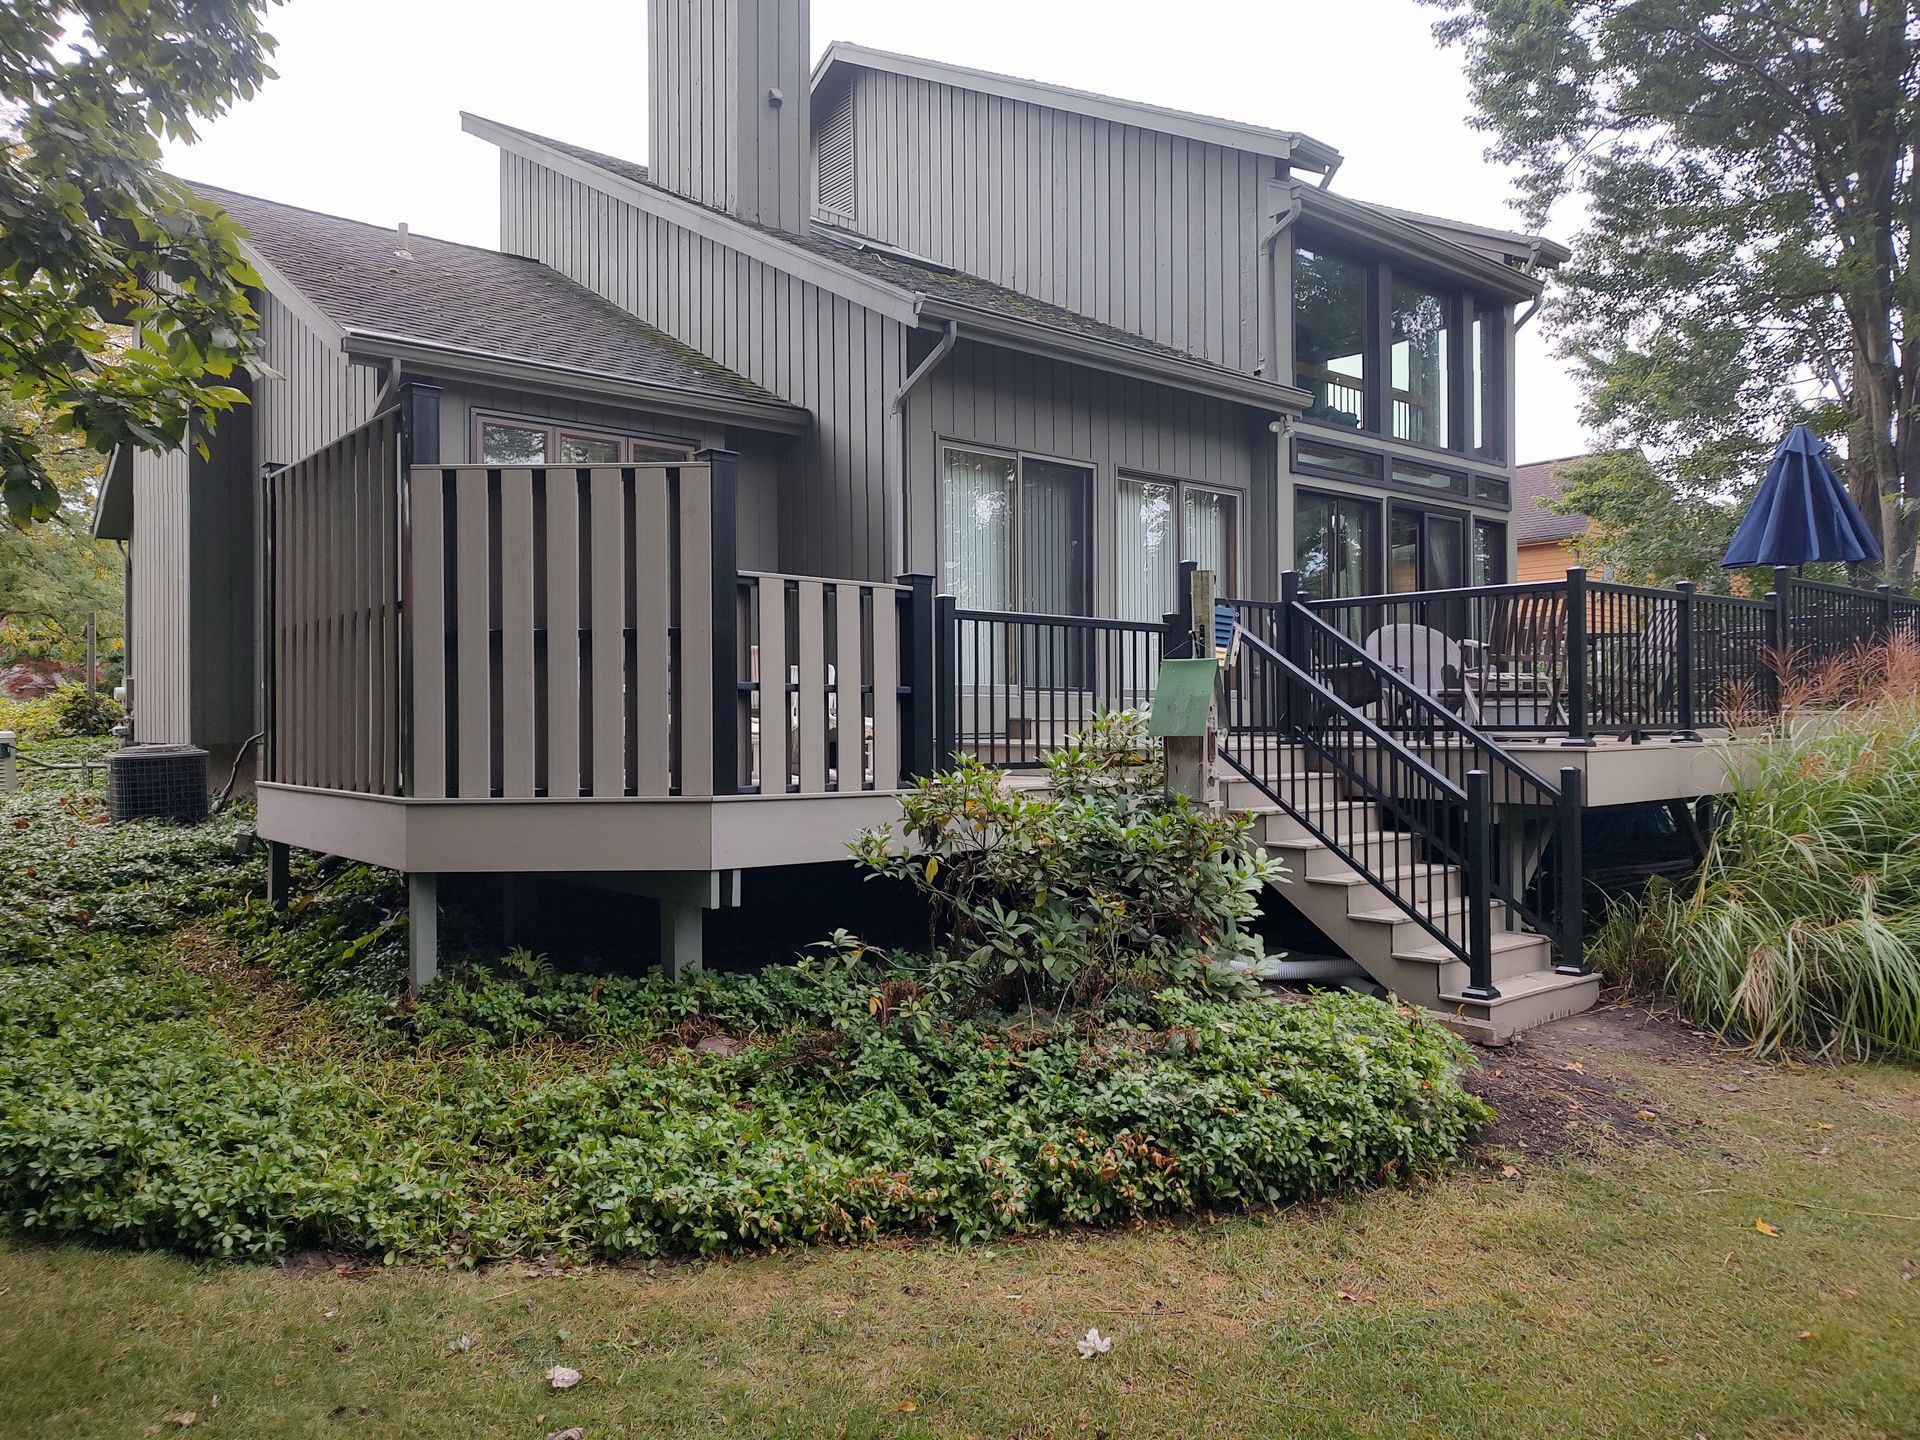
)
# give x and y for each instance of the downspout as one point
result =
(1326, 180)
(897, 405)
(1265, 298)
(1533, 259)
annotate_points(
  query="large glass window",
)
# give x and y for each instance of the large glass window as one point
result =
(502, 440)
(1336, 545)
(1157, 524)
(1489, 553)
(1486, 383)
(1016, 533)
(1418, 333)
(1330, 336)
(1426, 550)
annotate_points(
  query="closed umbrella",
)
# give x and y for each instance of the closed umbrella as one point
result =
(1801, 514)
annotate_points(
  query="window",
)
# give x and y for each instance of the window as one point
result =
(1385, 351)
(1425, 549)
(1329, 336)
(1418, 331)
(1489, 553)
(504, 440)
(1336, 460)
(1336, 545)
(1492, 491)
(1158, 523)
(1426, 477)
(1017, 533)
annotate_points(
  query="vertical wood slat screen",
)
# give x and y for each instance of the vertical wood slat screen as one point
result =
(334, 704)
(558, 635)
(823, 663)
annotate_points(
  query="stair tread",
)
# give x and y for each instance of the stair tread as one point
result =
(1392, 914)
(1502, 940)
(1309, 842)
(1539, 982)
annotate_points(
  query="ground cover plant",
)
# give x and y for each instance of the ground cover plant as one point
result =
(181, 1067)
(1802, 930)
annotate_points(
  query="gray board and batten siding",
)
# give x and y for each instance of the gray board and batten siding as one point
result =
(987, 398)
(1153, 233)
(834, 356)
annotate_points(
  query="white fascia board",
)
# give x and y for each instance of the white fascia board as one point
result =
(1288, 145)
(895, 304)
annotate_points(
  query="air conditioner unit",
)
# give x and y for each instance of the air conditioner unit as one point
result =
(157, 782)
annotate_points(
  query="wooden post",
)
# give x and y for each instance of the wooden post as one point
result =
(1683, 655)
(1572, 873)
(1479, 881)
(279, 874)
(725, 572)
(423, 931)
(919, 725)
(93, 651)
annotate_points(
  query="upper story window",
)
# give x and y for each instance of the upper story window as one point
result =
(1386, 352)
(1329, 336)
(514, 440)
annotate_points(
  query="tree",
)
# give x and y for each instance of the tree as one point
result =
(1749, 170)
(1644, 531)
(53, 576)
(93, 234)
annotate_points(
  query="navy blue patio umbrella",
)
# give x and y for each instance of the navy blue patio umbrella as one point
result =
(1801, 514)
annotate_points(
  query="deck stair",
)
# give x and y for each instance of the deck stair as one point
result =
(1371, 923)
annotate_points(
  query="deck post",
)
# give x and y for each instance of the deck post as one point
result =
(1781, 599)
(1479, 879)
(423, 930)
(725, 572)
(1683, 656)
(922, 641)
(682, 935)
(946, 681)
(1572, 873)
(419, 445)
(279, 873)
(1883, 614)
(1577, 656)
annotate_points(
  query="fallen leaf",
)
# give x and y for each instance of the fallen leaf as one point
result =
(905, 1407)
(1765, 1229)
(330, 1314)
(460, 1344)
(1092, 1344)
(1645, 1115)
(572, 1432)
(1822, 1125)
(562, 1378)
(184, 1418)
(1661, 1360)
(1507, 1172)
(1730, 1088)
(1809, 1335)
(1906, 1269)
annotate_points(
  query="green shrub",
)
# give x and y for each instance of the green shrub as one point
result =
(1102, 883)
(1802, 930)
(126, 1112)
(30, 720)
(80, 711)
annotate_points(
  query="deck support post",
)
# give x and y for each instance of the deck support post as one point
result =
(919, 730)
(1479, 881)
(1572, 872)
(423, 930)
(279, 873)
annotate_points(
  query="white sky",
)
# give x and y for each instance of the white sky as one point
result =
(364, 119)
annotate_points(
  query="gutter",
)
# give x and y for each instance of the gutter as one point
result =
(756, 414)
(1266, 305)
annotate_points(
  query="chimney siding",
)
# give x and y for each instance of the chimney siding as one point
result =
(715, 136)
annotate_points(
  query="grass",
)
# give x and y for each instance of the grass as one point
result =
(1802, 931)
(1626, 1294)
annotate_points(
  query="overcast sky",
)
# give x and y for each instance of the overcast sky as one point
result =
(364, 119)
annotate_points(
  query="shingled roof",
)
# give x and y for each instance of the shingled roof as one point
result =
(470, 300)
(1533, 523)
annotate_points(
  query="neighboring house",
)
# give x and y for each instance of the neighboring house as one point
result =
(540, 559)
(1543, 538)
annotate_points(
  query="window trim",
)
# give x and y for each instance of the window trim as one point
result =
(1016, 547)
(555, 428)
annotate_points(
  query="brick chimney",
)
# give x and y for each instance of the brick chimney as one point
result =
(728, 105)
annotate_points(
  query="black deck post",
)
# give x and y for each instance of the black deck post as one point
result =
(1479, 879)
(1683, 655)
(1577, 655)
(918, 724)
(725, 577)
(1572, 873)
(1883, 614)
(279, 873)
(946, 681)
(1781, 598)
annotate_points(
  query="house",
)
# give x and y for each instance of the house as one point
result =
(871, 418)
(1543, 538)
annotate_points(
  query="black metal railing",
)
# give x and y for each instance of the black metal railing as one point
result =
(1019, 685)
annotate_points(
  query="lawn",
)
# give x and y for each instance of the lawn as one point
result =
(1613, 1283)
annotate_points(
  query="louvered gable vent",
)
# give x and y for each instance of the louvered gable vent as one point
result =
(835, 180)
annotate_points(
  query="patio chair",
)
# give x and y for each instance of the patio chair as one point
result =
(1427, 659)
(1518, 675)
